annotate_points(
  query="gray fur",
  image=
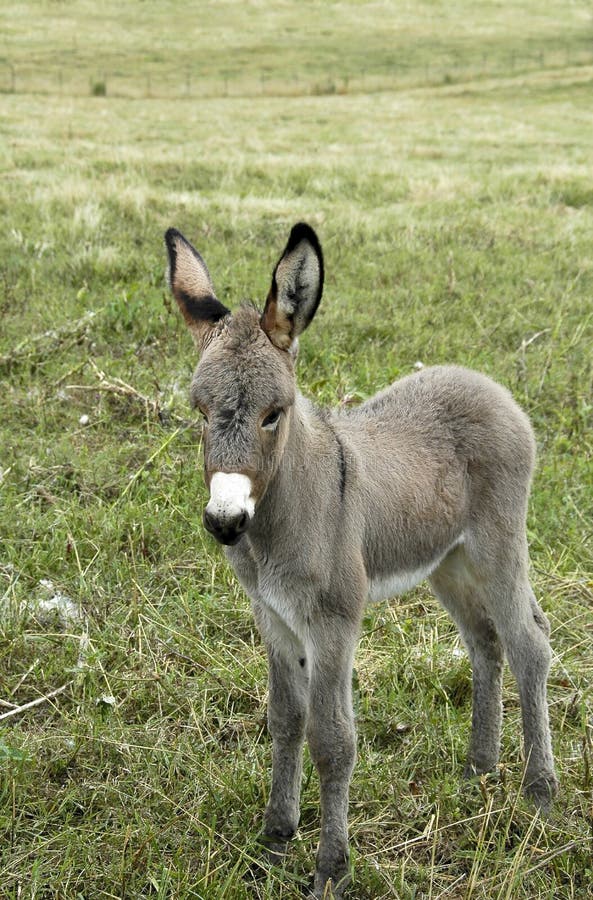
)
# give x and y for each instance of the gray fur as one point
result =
(429, 478)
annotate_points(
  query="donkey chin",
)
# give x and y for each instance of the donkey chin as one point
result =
(230, 509)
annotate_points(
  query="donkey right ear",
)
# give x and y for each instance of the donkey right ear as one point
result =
(192, 287)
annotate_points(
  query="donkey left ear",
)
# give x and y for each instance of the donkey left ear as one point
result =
(297, 285)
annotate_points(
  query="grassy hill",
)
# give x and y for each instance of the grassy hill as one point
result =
(443, 153)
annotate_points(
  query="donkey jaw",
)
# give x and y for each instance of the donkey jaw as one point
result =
(230, 508)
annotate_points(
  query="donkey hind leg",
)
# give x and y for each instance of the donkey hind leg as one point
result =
(524, 635)
(453, 587)
(503, 591)
(332, 742)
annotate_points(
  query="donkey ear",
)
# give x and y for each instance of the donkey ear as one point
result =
(297, 284)
(192, 287)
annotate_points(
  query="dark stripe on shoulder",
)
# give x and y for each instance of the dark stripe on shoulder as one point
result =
(342, 467)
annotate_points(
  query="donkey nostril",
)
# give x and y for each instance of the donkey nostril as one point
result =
(241, 522)
(209, 521)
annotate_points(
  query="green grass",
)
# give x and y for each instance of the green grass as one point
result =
(157, 49)
(456, 217)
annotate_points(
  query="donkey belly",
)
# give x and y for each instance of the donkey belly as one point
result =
(396, 583)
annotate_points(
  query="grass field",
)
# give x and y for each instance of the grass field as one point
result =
(454, 201)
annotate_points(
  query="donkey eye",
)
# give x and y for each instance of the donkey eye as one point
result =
(271, 419)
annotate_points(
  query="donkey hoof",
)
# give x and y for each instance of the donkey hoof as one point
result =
(542, 790)
(274, 851)
(330, 887)
(278, 834)
(275, 844)
(328, 891)
(475, 768)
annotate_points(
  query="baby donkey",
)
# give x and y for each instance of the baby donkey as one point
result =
(321, 511)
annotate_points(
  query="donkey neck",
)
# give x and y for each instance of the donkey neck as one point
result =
(292, 496)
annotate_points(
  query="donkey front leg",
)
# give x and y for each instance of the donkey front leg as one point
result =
(287, 716)
(332, 742)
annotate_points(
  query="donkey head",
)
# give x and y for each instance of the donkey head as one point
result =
(244, 383)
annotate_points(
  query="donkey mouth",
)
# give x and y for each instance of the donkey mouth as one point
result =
(226, 531)
(230, 542)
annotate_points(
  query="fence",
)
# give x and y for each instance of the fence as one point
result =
(161, 83)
